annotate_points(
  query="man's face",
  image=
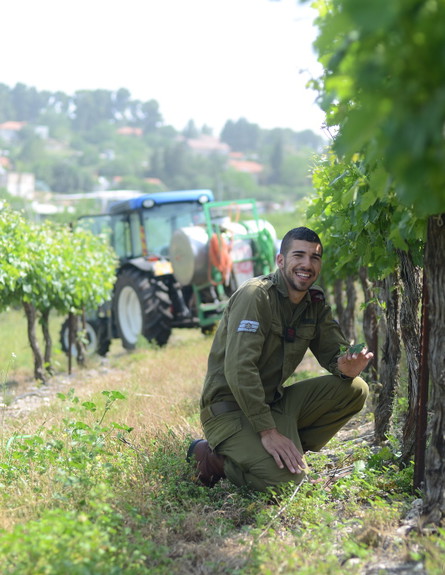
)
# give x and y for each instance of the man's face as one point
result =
(300, 267)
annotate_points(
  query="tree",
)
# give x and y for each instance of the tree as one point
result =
(32, 149)
(242, 136)
(83, 143)
(121, 103)
(48, 267)
(382, 88)
(6, 107)
(276, 162)
(190, 131)
(67, 178)
(92, 107)
(28, 102)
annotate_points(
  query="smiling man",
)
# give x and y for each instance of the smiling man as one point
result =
(257, 430)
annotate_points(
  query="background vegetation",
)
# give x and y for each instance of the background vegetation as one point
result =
(97, 139)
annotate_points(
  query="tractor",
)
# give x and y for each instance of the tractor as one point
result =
(181, 255)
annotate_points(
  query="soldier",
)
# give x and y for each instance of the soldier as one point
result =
(257, 429)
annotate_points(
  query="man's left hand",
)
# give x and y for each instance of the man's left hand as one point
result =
(353, 364)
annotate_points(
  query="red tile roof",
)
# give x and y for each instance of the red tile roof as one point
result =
(13, 126)
(246, 166)
(129, 131)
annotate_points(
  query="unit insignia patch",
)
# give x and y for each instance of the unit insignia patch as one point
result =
(248, 325)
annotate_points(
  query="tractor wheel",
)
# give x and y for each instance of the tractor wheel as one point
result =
(141, 306)
(97, 341)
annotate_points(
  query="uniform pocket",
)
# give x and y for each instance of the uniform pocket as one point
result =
(221, 427)
(305, 332)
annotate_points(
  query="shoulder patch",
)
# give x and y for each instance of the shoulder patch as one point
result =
(248, 325)
(317, 295)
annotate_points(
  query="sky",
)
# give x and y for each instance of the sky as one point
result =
(206, 60)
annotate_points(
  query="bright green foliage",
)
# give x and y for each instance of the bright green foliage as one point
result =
(361, 223)
(78, 543)
(83, 268)
(15, 264)
(81, 531)
(357, 348)
(51, 267)
(383, 88)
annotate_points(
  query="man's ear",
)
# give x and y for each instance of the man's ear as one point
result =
(280, 261)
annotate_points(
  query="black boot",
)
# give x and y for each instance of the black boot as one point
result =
(210, 466)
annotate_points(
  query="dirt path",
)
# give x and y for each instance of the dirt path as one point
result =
(21, 394)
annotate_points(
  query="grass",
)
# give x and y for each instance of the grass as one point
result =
(96, 482)
(15, 353)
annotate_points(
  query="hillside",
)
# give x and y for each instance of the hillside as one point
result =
(54, 144)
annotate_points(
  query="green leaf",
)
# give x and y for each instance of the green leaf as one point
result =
(89, 406)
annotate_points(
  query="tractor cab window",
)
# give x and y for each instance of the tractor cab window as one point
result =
(97, 225)
(122, 237)
(161, 221)
(135, 230)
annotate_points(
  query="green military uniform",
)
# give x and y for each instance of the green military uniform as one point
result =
(260, 341)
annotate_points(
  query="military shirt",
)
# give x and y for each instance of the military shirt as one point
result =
(261, 339)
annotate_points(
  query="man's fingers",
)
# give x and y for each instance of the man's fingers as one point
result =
(284, 451)
(294, 462)
(278, 460)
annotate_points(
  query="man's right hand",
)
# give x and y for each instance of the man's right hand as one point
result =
(283, 450)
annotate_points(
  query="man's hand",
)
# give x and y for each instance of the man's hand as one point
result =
(283, 450)
(352, 364)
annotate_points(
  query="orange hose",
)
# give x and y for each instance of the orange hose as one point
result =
(219, 254)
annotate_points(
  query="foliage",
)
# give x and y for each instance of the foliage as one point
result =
(383, 93)
(350, 208)
(46, 265)
(45, 268)
(382, 87)
(15, 264)
(82, 531)
(84, 148)
(242, 136)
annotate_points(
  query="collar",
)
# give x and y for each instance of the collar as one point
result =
(278, 280)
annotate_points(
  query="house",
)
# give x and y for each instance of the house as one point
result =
(129, 131)
(18, 184)
(9, 131)
(206, 145)
(246, 166)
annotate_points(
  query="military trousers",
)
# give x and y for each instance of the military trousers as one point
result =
(310, 413)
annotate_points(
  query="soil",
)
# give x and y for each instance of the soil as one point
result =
(22, 394)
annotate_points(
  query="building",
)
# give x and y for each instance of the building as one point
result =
(206, 145)
(18, 184)
(9, 131)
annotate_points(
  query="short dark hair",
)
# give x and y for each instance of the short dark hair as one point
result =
(300, 233)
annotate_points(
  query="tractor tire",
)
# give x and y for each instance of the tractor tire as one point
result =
(97, 341)
(141, 306)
